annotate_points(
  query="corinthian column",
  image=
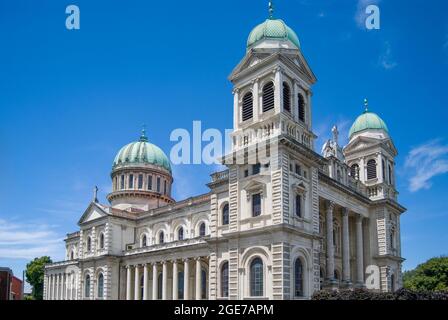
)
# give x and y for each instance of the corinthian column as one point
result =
(186, 279)
(154, 282)
(145, 282)
(175, 281)
(128, 282)
(164, 280)
(359, 251)
(345, 248)
(330, 244)
(198, 279)
(137, 283)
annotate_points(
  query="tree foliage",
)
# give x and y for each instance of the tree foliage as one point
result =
(431, 276)
(363, 294)
(35, 272)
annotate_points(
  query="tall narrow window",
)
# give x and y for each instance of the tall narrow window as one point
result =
(140, 181)
(298, 206)
(122, 182)
(131, 181)
(144, 241)
(286, 97)
(158, 184)
(390, 174)
(248, 106)
(392, 282)
(89, 244)
(225, 280)
(149, 182)
(180, 234)
(256, 169)
(204, 284)
(256, 205)
(161, 237)
(298, 169)
(301, 102)
(298, 278)
(87, 287)
(225, 215)
(100, 286)
(354, 171)
(256, 278)
(160, 286)
(180, 285)
(72, 255)
(268, 97)
(371, 169)
(164, 186)
(101, 240)
(202, 230)
(383, 170)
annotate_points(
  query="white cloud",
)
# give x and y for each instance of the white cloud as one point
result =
(28, 241)
(360, 15)
(426, 162)
(385, 60)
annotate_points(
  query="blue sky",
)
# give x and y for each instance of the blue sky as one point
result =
(69, 100)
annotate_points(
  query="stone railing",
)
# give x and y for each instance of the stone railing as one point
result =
(60, 264)
(219, 176)
(165, 246)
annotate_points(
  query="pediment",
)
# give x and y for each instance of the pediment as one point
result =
(362, 143)
(93, 212)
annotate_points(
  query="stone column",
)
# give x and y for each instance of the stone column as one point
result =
(57, 288)
(67, 286)
(236, 108)
(164, 280)
(359, 251)
(53, 287)
(154, 282)
(175, 281)
(49, 288)
(137, 283)
(198, 279)
(128, 282)
(330, 244)
(256, 99)
(278, 94)
(186, 279)
(145, 282)
(345, 248)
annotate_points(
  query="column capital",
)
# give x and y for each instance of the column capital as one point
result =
(359, 218)
(236, 91)
(330, 205)
(197, 258)
(185, 260)
(174, 261)
(344, 211)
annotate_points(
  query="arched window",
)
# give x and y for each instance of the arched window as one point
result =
(248, 106)
(268, 97)
(202, 230)
(161, 237)
(383, 170)
(204, 283)
(256, 278)
(298, 278)
(286, 97)
(89, 244)
(100, 286)
(371, 169)
(256, 205)
(149, 182)
(87, 287)
(101, 241)
(72, 255)
(122, 182)
(144, 241)
(301, 103)
(225, 214)
(180, 234)
(354, 171)
(225, 280)
(140, 181)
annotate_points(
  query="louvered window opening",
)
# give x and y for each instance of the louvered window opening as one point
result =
(371, 169)
(286, 97)
(248, 106)
(268, 97)
(301, 108)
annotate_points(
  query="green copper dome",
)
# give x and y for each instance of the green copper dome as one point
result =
(273, 29)
(142, 152)
(368, 120)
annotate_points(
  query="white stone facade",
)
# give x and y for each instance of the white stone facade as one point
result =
(280, 229)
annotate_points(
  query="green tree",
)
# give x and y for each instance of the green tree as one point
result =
(35, 272)
(431, 275)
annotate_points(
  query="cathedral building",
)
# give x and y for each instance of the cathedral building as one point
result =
(277, 229)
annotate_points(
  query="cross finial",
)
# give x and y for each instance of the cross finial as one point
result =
(143, 137)
(95, 194)
(271, 10)
(366, 105)
(335, 132)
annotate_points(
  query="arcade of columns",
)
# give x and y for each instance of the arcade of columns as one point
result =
(133, 278)
(330, 264)
(61, 286)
